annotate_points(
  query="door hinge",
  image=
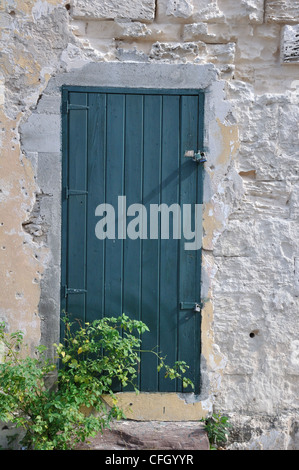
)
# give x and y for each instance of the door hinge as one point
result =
(67, 107)
(198, 157)
(195, 306)
(74, 192)
(66, 291)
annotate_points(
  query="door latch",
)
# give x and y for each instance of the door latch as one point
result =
(198, 157)
(196, 307)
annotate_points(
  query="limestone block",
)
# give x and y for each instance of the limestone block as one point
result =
(257, 47)
(247, 11)
(175, 51)
(195, 31)
(142, 10)
(221, 53)
(132, 29)
(208, 33)
(290, 44)
(209, 12)
(282, 11)
(130, 55)
(180, 8)
(181, 11)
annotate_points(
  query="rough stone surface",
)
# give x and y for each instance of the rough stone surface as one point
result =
(248, 11)
(110, 9)
(278, 433)
(208, 33)
(180, 8)
(183, 11)
(175, 51)
(133, 30)
(290, 44)
(134, 435)
(282, 11)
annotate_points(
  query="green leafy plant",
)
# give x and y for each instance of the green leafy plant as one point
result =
(217, 427)
(92, 358)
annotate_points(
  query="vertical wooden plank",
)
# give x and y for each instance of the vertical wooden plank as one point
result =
(114, 188)
(169, 247)
(96, 195)
(115, 143)
(151, 248)
(76, 266)
(133, 191)
(189, 330)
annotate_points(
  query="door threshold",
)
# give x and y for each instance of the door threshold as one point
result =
(150, 435)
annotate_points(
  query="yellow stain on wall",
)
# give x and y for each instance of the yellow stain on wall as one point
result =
(213, 216)
(25, 6)
(20, 261)
(158, 407)
(230, 142)
(30, 67)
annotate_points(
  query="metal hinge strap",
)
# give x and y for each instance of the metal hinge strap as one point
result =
(75, 192)
(66, 107)
(67, 291)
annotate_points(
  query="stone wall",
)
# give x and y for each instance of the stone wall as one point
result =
(250, 257)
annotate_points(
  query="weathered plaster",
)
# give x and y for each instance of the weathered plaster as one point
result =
(22, 270)
(25, 248)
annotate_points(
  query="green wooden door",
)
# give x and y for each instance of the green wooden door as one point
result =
(123, 148)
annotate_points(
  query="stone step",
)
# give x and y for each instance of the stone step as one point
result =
(150, 435)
